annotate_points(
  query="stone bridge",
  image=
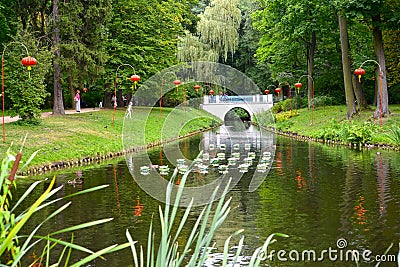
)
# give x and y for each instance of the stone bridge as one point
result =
(252, 104)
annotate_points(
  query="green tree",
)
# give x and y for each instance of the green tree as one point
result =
(83, 43)
(58, 103)
(26, 89)
(217, 33)
(244, 59)
(290, 31)
(346, 65)
(143, 34)
(8, 21)
(378, 15)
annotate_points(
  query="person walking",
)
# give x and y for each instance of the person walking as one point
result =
(77, 100)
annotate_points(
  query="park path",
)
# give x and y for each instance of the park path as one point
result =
(8, 119)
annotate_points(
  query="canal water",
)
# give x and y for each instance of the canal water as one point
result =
(332, 202)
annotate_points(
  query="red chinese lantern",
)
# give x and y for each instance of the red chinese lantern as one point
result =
(85, 90)
(359, 72)
(177, 83)
(135, 78)
(197, 87)
(211, 92)
(29, 62)
(266, 91)
(278, 90)
(298, 86)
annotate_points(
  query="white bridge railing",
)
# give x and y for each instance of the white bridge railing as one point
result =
(249, 99)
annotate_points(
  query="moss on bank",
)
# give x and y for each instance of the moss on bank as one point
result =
(63, 141)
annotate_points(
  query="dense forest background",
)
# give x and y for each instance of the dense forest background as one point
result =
(80, 44)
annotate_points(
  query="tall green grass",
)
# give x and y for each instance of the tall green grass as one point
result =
(14, 247)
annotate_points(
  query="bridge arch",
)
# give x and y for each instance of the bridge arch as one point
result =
(253, 104)
(232, 109)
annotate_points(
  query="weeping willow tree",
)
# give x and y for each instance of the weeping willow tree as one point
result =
(191, 49)
(217, 33)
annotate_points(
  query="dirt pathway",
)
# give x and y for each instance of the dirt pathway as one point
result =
(8, 119)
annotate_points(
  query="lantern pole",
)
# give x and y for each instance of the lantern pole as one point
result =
(312, 95)
(380, 88)
(115, 89)
(161, 88)
(2, 82)
(198, 87)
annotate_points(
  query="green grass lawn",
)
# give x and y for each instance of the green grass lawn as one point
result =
(77, 136)
(333, 116)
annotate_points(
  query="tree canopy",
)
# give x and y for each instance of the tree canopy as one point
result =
(274, 42)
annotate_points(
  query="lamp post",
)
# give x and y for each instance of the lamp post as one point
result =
(134, 78)
(298, 85)
(161, 88)
(267, 91)
(197, 87)
(360, 71)
(27, 61)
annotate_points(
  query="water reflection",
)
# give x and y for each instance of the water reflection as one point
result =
(226, 154)
(314, 193)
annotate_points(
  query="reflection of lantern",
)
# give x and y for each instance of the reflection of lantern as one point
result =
(135, 78)
(359, 72)
(85, 90)
(211, 92)
(138, 208)
(197, 87)
(278, 90)
(298, 86)
(266, 91)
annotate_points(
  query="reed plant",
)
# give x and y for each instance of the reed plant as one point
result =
(14, 246)
(198, 246)
(394, 135)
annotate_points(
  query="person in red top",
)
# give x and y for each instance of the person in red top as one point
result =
(77, 100)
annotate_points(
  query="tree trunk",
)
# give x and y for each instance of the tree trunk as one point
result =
(346, 65)
(382, 107)
(58, 106)
(71, 88)
(360, 96)
(310, 69)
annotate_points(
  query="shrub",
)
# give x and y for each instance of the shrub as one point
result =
(347, 132)
(322, 101)
(394, 135)
(299, 102)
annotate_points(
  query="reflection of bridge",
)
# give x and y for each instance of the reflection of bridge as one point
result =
(220, 105)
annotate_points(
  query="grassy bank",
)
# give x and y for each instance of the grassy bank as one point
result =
(330, 125)
(78, 136)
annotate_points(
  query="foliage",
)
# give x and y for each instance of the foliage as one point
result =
(83, 41)
(286, 115)
(347, 132)
(8, 19)
(286, 105)
(26, 89)
(394, 135)
(237, 113)
(199, 244)
(217, 33)
(323, 101)
(13, 245)
(218, 26)
(299, 102)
